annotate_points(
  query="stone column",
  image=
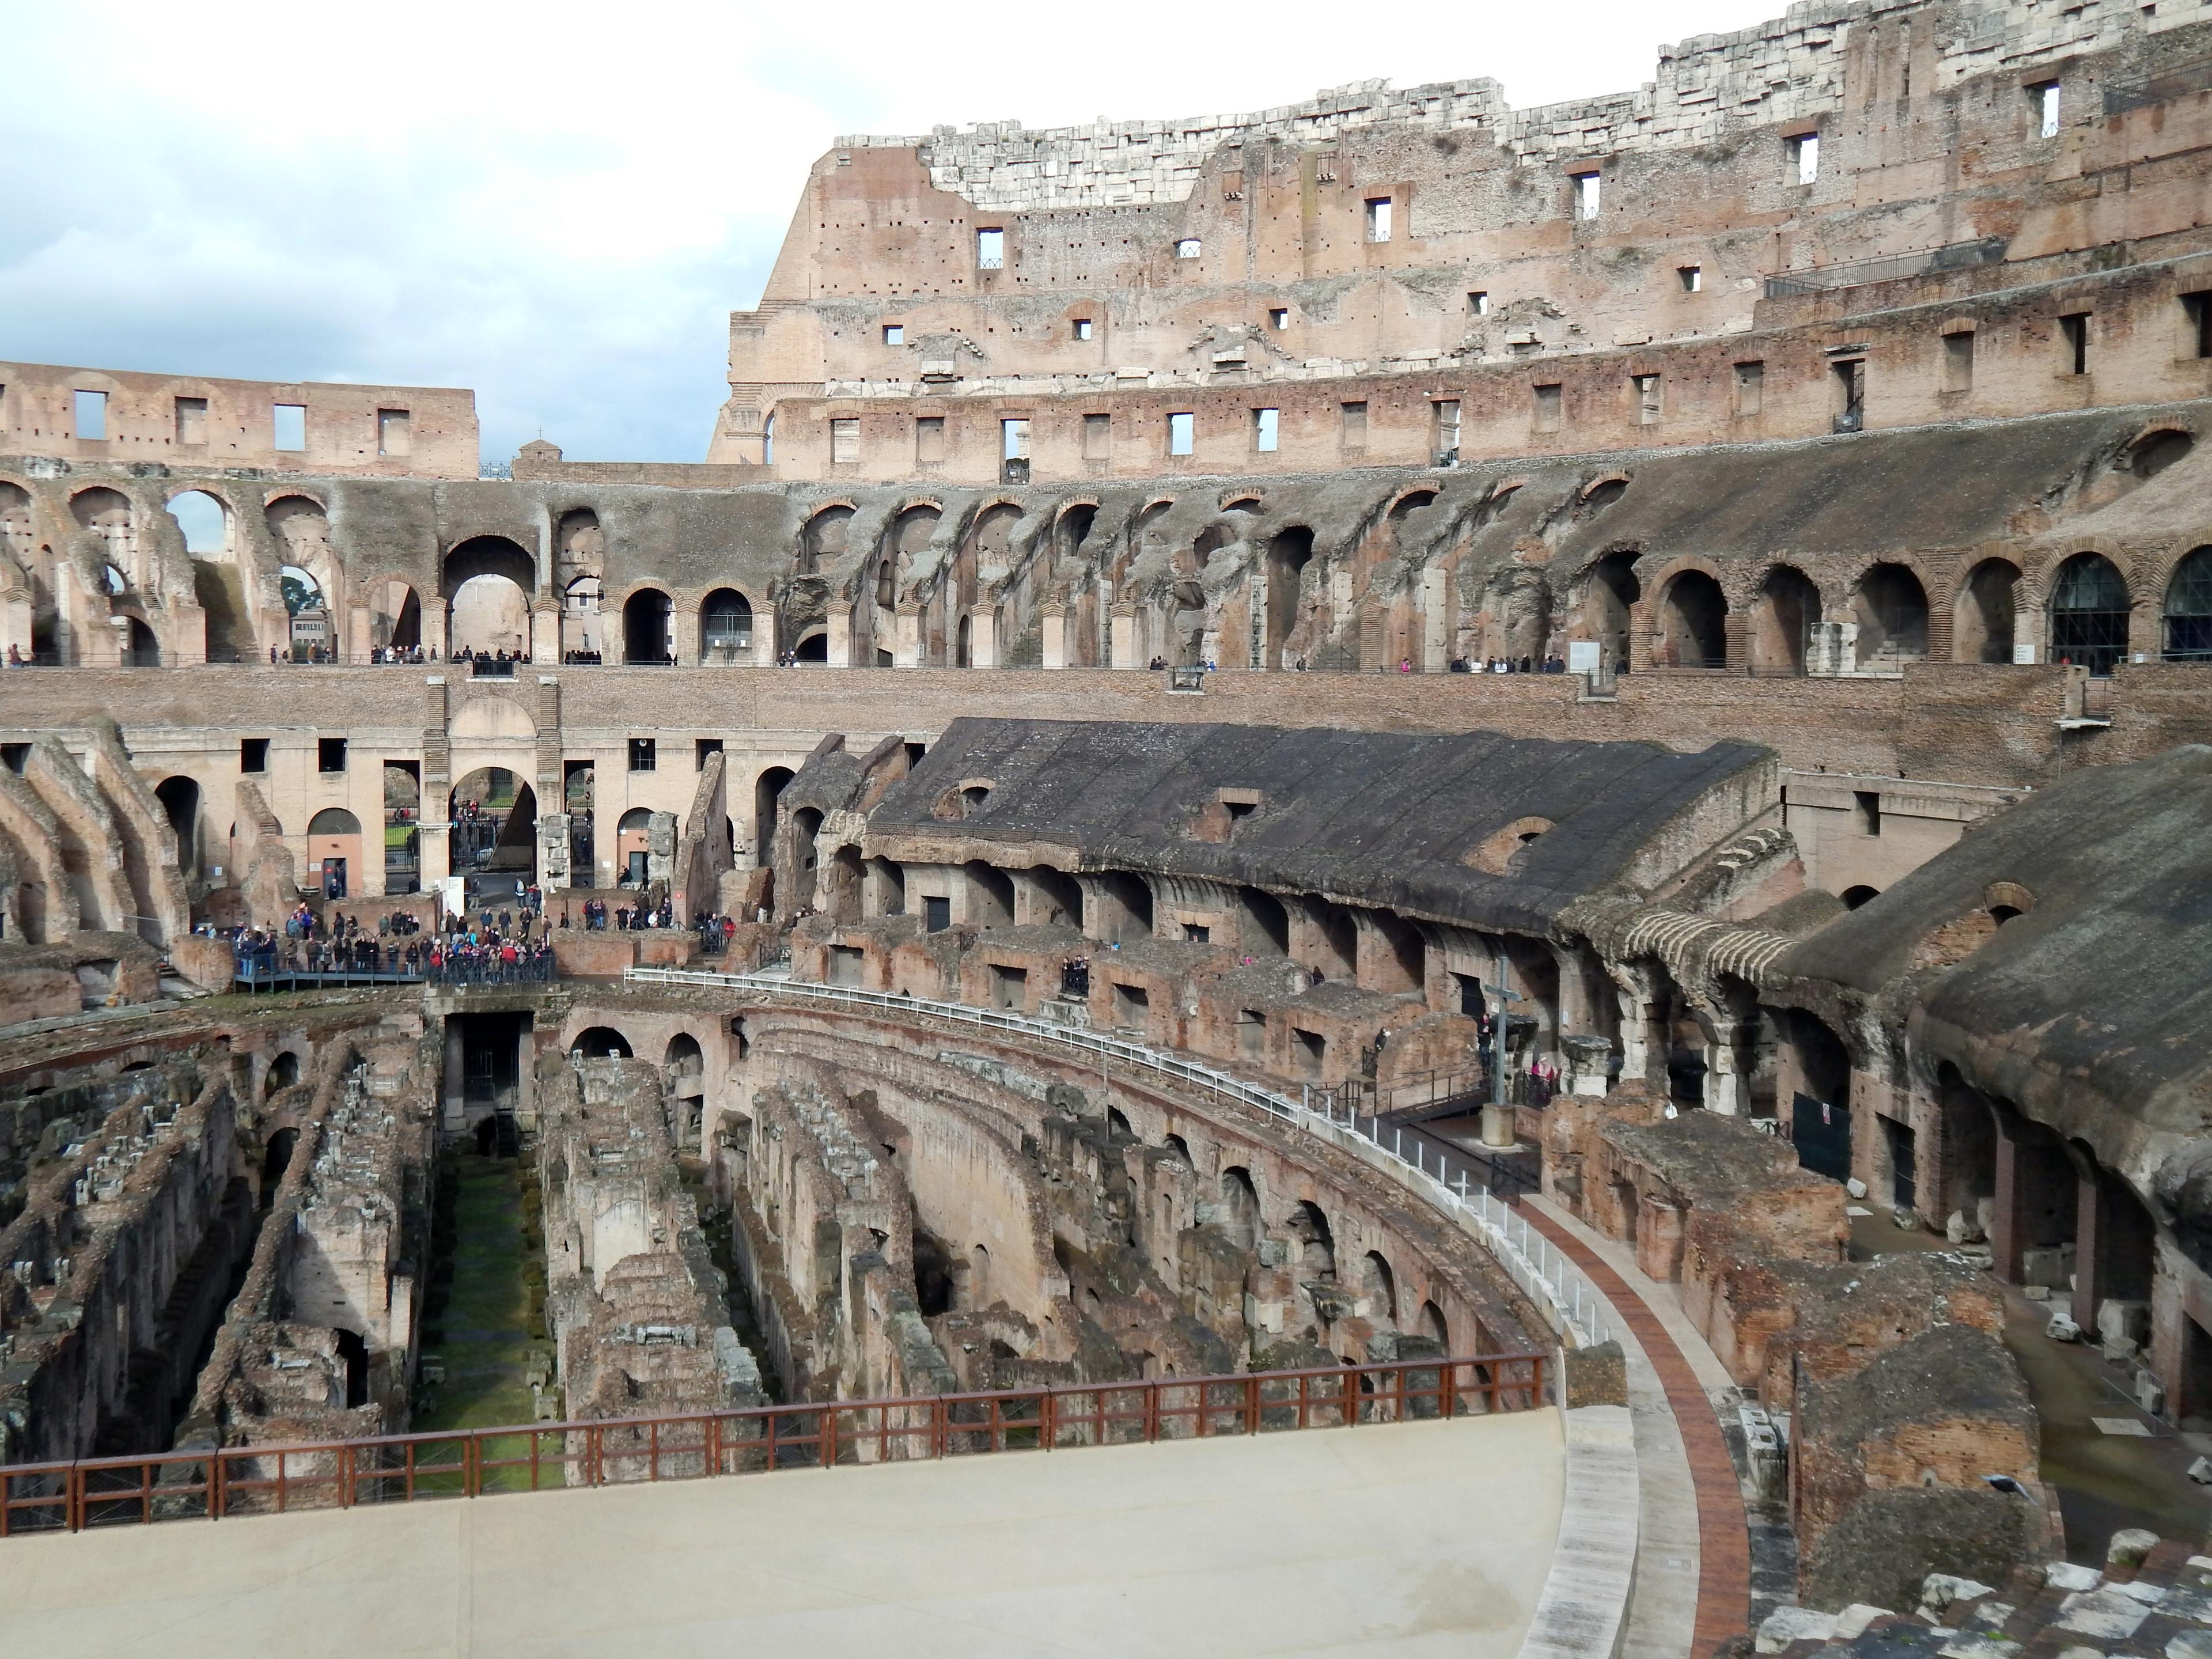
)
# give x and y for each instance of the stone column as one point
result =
(545, 632)
(765, 639)
(1588, 1064)
(840, 652)
(1055, 635)
(906, 641)
(684, 634)
(1728, 1067)
(982, 638)
(1125, 636)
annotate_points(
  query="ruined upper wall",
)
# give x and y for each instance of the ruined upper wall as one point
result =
(393, 431)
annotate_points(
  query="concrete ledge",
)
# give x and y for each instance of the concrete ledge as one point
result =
(1583, 1611)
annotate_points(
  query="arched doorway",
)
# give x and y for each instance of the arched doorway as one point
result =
(823, 538)
(767, 793)
(1288, 555)
(143, 649)
(726, 628)
(647, 639)
(1611, 589)
(601, 1043)
(1982, 620)
(1781, 622)
(1890, 609)
(813, 648)
(180, 803)
(2189, 610)
(334, 852)
(488, 582)
(395, 617)
(579, 621)
(1692, 623)
(633, 847)
(2089, 609)
(494, 814)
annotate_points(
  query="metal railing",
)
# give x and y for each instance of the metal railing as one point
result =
(1456, 1180)
(212, 1483)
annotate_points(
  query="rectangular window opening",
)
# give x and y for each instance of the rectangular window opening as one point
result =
(2074, 342)
(1959, 361)
(1805, 158)
(844, 442)
(1866, 812)
(1479, 302)
(893, 333)
(1098, 437)
(1848, 379)
(395, 432)
(929, 438)
(91, 411)
(1082, 328)
(16, 757)
(1188, 248)
(1131, 1003)
(1354, 416)
(1445, 436)
(1378, 218)
(2197, 308)
(991, 250)
(936, 912)
(1693, 278)
(1750, 387)
(1182, 433)
(1588, 188)
(702, 748)
(191, 420)
(1279, 319)
(330, 754)
(1546, 414)
(643, 755)
(1266, 430)
(1647, 398)
(2043, 101)
(1014, 439)
(289, 426)
(253, 754)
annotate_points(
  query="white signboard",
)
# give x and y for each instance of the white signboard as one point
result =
(1583, 657)
(2023, 653)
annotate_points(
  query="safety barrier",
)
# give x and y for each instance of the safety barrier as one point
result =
(209, 1484)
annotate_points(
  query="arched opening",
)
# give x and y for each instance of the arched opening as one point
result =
(1781, 622)
(824, 539)
(648, 638)
(1309, 1229)
(106, 513)
(1288, 555)
(962, 643)
(812, 648)
(487, 582)
(633, 847)
(1692, 623)
(494, 838)
(395, 617)
(726, 628)
(205, 523)
(1269, 921)
(767, 796)
(403, 835)
(1431, 1325)
(275, 1158)
(2189, 610)
(1853, 897)
(334, 852)
(1820, 1113)
(1891, 608)
(581, 639)
(2154, 452)
(180, 803)
(1982, 618)
(283, 1071)
(843, 880)
(1378, 1288)
(1239, 1214)
(601, 1043)
(1060, 897)
(353, 1353)
(979, 1277)
(143, 649)
(683, 1066)
(2089, 614)
(1969, 1164)
(1611, 590)
(990, 895)
(806, 855)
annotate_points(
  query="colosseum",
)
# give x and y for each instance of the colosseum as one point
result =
(1535, 780)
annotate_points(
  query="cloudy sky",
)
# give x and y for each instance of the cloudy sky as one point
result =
(558, 204)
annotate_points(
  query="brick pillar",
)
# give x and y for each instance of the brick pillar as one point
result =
(2091, 1234)
(2008, 1218)
(1735, 630)
(1055, 635)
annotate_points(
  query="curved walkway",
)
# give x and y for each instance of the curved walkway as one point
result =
(1723, 1538)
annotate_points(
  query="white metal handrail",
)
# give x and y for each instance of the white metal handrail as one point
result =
(1570, 1301)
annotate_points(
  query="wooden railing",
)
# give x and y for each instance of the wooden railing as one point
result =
(210, 1484)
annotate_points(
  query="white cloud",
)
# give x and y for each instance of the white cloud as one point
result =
(558, 204)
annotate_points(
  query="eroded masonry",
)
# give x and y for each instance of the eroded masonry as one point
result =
(1387, 731)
